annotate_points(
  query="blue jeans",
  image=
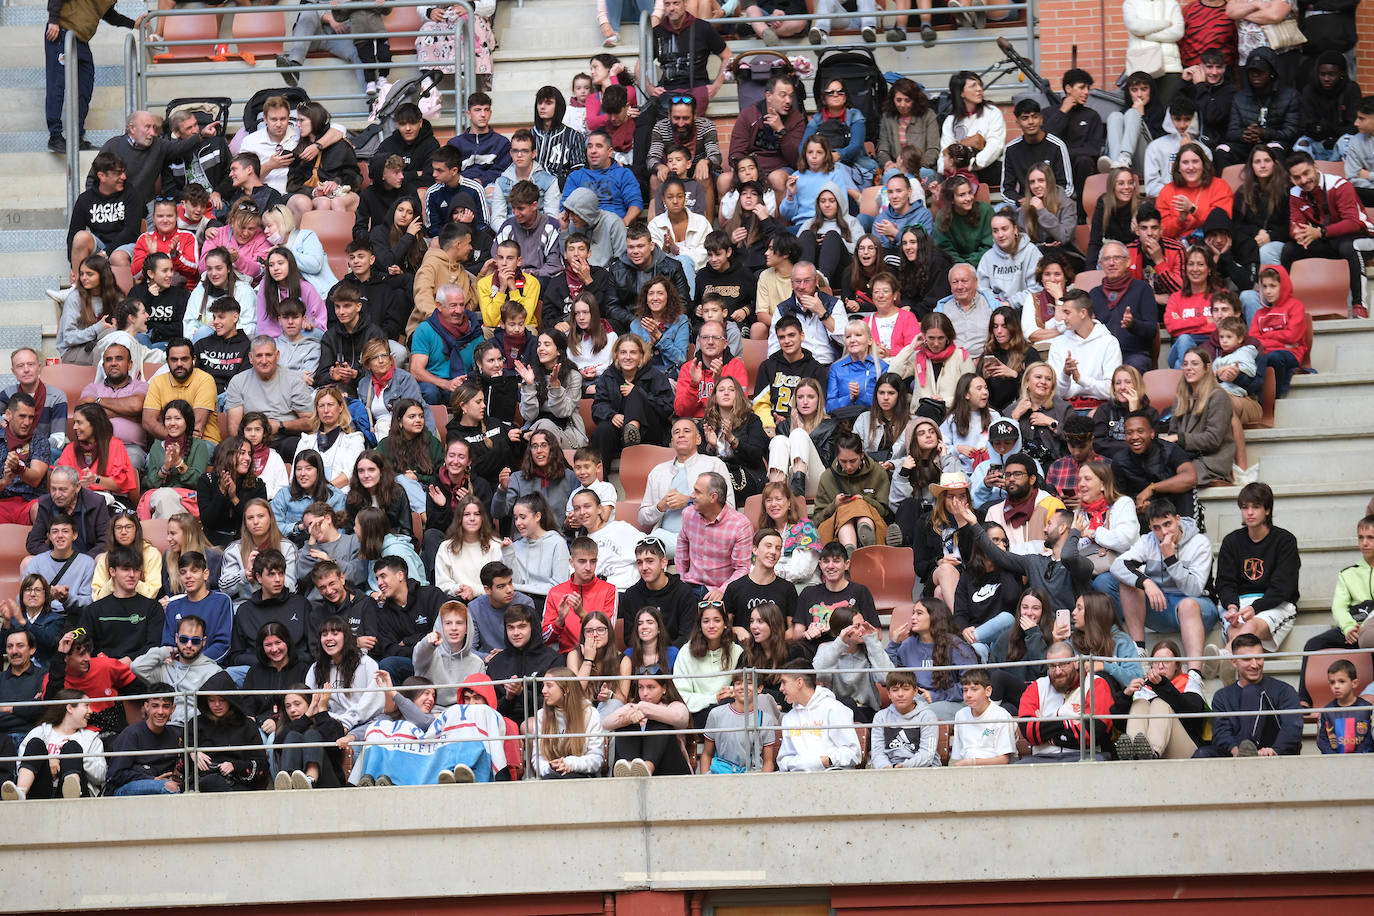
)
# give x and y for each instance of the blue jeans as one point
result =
(56, 80)
(433, 394)
(1179, 347)
(1165, 621)
(143, 787)
(238, 673)
(1285, 366)
(987, 633)
(1250, 303)
(1271, 253)
(399, 667)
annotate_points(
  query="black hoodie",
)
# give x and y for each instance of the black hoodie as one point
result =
(782, 378)
(375, 204)
(340, 346)
(419, 173)
(399, 628)
(675, 601)
(1278, 113)
(288, 609)
(1240, 264)
(384, 303)
(1328, 115)
(236, 729)
(530, 661)
(262, 676)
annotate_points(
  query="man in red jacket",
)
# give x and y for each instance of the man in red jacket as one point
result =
(771, 132)
(1326, 221)
(1058, 698)
(697, 380)
(569, 603)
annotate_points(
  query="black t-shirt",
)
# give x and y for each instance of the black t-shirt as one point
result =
(1160, 461)
(816, 602)
(124, 627)
(744, 594)
(737, 287)
(682, 56)
(223, 359)
(165, 310)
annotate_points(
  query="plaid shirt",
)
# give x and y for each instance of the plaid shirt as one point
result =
(1062, 476)
(712, 554)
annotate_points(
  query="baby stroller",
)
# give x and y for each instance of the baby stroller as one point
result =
(863, 80)
(753, 70)
(416, 90)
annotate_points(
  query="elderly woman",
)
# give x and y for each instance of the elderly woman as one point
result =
(382, 384)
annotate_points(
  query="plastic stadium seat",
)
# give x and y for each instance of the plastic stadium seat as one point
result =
(1082, 237)
(584, 408)
(13, 548)
(627, 510)
(635, 464)
(984, 194)
(1317, 664)
(334, 227)
(188, 28)
(71, 379)
(403, 19)
(338, 263)
(1088, 280)
(887, 571)
(1093, 188)
(1323, 285)
(124, 277)
(753, 353)
(868, 201)
(155, 532)
(753, 507)
(1331, 168)
(258, 33)
(1161, 385)
(440, 414)
(1231, 175)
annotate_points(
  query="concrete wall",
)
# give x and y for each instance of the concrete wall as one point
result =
(687, 833)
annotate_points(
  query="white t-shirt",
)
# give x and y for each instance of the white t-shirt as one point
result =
(885, 327)
(979, 737)
(264, 147)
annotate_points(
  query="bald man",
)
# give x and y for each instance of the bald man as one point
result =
(968, 308)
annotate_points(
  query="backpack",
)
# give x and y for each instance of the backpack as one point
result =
(863, 79)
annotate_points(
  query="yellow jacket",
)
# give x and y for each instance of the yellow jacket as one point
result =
(491, 302)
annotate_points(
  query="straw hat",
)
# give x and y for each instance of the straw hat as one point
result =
(950, 480)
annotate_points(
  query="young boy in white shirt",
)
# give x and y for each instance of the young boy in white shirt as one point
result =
(983, 731)
(590, 476)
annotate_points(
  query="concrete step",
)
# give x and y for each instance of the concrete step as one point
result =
(1287, 453)
(106, 114)
(1322, 385)
(1316, 508)
(1342, 346)
(1330, 412)
(47, 262)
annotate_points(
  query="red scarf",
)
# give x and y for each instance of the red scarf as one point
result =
(451, 486)
(1044, 308)
(260, 456)
(458, 329)
(1113, 289)
(379, 382)
(1018, 514)
(1097, 514)
(85, 454)
(15, 444)
(924, 357)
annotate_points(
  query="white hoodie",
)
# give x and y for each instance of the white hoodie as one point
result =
(1161, 153)
(1098, 355)
(1187, 571)
(806, 737)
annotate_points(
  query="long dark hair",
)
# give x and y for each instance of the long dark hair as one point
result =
(1208, 258)
(53, 715)
(387, 492)
(562, 366)
(914, 276)
(372, 526)
(231, 281)
(920, 102)
(1098, 619)
(101, 434)
(636, 648)
(556, 468)
(350, 656)
(110, 293)
(486, 534)
(294, 283)
(963, 411)
(671, 309)
(860, 277)
(943, 639)
(1264, 199)
(772, 652)
(226, 459)
(1016, 637)
(957, 82)
(979, 562)
(948, 212)
(406, 451)
(419, 244)
(320, 491)
(699, 645)
(596, 334)
(893, 421)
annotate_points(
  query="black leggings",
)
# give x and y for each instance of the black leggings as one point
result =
(36, 762)
(298, 758)
(829, 254)
(374, 51)
(608, 439)
(651, 746)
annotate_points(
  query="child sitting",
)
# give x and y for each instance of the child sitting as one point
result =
(905, 732)
(678, 161)
(1345, 730)
(165, 236)
(591, 476)
(729, 750)
(223, 354)
(1280, 326)
(514, 339)
(576, 115)
(983, 731)
(193, 213)
(818, 731)
(1232, 351)
(296, 352)
(508, 284)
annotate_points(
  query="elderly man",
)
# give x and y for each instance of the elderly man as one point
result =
(87, 508)
(668, 490)
(207, 164)
(968, 308)
(443, 344)
(25, 459)
(821, 316)
(715, 542)
(1086, 354)
(183, 381)
(1127, 307)
(442, 266)
(146, 153)
(51, 419)
(284, 397)
(121, 396)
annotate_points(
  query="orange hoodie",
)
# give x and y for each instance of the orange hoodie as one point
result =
(482, 685)
(1283, 325)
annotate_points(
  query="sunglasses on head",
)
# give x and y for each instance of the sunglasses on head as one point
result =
(651, 542)
(683, 100)
(703, 605)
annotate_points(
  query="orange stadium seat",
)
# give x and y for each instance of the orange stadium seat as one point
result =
(257, 33)
(1088, 280)
(189, 28)
(1093, 188)
(635, 464)
(1160, 387)
(71, 379)
(1323, 285)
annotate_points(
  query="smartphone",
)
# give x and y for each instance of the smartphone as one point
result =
(1062, 618)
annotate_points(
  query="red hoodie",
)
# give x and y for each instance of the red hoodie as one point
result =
(1283, 325)
(481, 684)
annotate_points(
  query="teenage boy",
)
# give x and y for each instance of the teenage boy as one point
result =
(124, 624)
(487, 612)
(1079, 127)
(406, 615)
(1326, 221)
(615, 541)
(76, 665)
(678, 164)
(214, 608)
(534, 233)
(590, 472)
(1345, 726)
(337, 599)
(1257, 574)
(779, 375)
(486, 154)
(1212, 93)
(445, 656)
(223, 354)
(508, 283)
(728, 278)
(524, 655)
(580, 275)
(384, 303)
(183, 664)
(441, 200)
(905, 732)
(1359, 154)
(526, 167)
(296, 353)
(414, 143)
(161, 768)
(818, 731)
(729, 747)
(675, 600)
(1033, 146)
(341, 347)
(105, 218)
(1351, 604)
(984, 734)
(68, 573)
(816, 602)
(1236, 734)
(272, 602)
(762, 585)
(570, 602)
(1086, 354)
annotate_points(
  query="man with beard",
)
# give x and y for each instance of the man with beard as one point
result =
(1052, 565)
(121, 396)
(182, 380)
(697, 135)
(1026, 511)
(1059, 698)
(25, 460)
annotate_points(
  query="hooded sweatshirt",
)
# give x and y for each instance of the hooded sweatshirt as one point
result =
(446, 663)
(530, 660)
(1278, 114)
(603, 228)
(870, 482)
(905, 740)
(1098, 355)
(1326, 116)
(417, 156)
(487, 625)
(1240, 264)
(822, 727)
(1283, 324)
(164, 663)
(1188, 571)
(538, 565)
(482, 685)
(1004, 275)
(235, 729)
(287, 608)
(1161, 153)
(860, 684)
(616, 188)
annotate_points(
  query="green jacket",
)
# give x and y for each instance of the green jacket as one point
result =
(1353, 585)
(871, 482)
(965, 243)
(82, 17)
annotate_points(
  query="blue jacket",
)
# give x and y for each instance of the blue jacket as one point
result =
(1282, 733)
(846, 370)
(858, 127)
(800, 209)
(918, 214)
(616, 188)
(485, 156)
(671, 350)
(288, 512)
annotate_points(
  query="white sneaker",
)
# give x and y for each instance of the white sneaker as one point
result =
(300, 781)
(463, 775)
(621, 768)
(446, 778)
(1105, 164)
(11, 792)
(639, 768)
(372, 88)
(57, 295)
(1211, 666)
(771, 38)
(870, 34)
(282, 781)
(965, 20)
(818, 36)
(382, 84)
(71, 786)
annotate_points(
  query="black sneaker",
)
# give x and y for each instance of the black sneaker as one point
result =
(1248, 748)
(797, 483)
(291, 77)
(1143, 751)
(86, 146)
(927, 35)
(57, 144)
(1125, 748)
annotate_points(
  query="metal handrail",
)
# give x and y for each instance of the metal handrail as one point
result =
(71, 115)
(465, 53)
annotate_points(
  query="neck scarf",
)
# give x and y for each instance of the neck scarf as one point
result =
(379, 382)
(924, 358)
(1113, 289)
(1097, 513)
(260, 455)
(1018, 514)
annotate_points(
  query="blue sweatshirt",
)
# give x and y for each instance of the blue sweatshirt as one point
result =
(1346, 729)
(616, 188)
(485, 156)
(216, 609)
(489, 623)
(913, 653)
(844, 371)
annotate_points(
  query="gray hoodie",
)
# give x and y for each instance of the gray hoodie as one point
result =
(857, 685)
(1161, 153)
(538, 565)
(906, 741)
(606, 231)
(1188, 571)
(1004, 275)
(443, 664)
(162, 663)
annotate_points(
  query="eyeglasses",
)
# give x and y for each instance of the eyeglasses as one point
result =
(1114, 257)
(596, 630)
(539, 445)
(683, 100)
(710, 337)
(190, 640)
(35, 588)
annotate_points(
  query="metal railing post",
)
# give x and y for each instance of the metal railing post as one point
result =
(71, 117)
(130, 73)
(193, 778)
(1082, 710)
(1032, 45)
(646, 53)
(750, 708)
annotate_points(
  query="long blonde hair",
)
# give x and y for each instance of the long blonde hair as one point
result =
(739, 414)
(795, 418)
(1108, 201)
(554, 744)
(192, 538)
(1025, 383)
(246, 543)
(1193, 400)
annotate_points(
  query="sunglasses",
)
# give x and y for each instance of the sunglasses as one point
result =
(835, 92)
(703, 605)
(191, 640)
(651, 542)
(247, 206)
(683, 100)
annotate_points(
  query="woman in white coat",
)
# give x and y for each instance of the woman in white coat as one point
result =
(338, 443)
(1106, 520)
(1155, 26)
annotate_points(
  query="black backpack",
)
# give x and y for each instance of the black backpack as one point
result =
(863, 79)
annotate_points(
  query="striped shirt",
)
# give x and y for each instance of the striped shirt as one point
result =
(1206, 27)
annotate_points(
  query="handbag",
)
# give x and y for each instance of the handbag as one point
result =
(719, 765)
(1281, 36)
